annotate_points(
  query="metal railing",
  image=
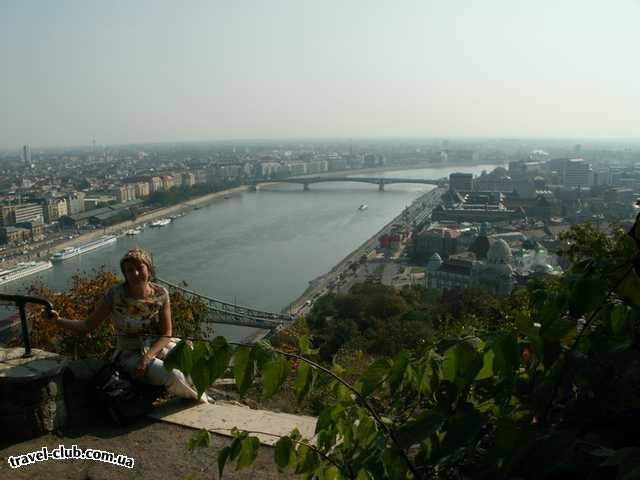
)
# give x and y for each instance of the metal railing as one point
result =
(21, 302)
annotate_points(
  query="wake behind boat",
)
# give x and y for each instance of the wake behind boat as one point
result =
(83, 248)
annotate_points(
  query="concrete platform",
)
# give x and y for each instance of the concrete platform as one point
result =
(221, 417)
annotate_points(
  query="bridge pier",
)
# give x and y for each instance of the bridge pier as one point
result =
(306, 187)
(381, 186)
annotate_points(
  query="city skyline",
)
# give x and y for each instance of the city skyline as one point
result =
(159, 73)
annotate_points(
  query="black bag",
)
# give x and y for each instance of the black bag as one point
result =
(124, 399)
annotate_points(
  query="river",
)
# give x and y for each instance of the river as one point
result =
(259, 249)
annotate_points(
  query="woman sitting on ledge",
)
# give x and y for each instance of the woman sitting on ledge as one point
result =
(141, 313)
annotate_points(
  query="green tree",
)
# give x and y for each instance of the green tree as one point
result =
(553, 397)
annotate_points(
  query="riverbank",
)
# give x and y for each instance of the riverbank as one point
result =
(44, 250)
(120, 228)
(319, 285)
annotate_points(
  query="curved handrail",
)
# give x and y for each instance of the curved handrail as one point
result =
(21, 301)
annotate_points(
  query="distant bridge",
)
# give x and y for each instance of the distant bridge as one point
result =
(231, 314)
(380, 181)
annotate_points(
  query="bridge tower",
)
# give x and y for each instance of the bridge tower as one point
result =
(381, 185)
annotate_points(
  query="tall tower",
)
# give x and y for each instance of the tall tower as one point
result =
(26, 154)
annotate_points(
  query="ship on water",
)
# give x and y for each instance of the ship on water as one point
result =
(83, 248)
(364, 206)
(161, 223)
(22, 270)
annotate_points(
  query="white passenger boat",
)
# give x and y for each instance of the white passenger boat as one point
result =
(364, 206)
(83, 248)
(161, 223)
(133, 231)
(22, 270)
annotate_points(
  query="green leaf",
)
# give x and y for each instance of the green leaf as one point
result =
(201, 438)
(622, 456)
(304, 345)
(555, 330)
(394, 464)
(629, 288)
(248, 452)
(307, 460)
(304, 380)
(586, 295)
(274, 374)
(342, 393)
(295, 435)
(631, 474)
(223, 456)
(285, 454)
(526, 327)
(363, 475)
(462, 362)
(330, 472)
(200, 351)
(219, 357)
(366, 431)
(180, 357)
(618, 319)
(328, 417)
(419, 429)
(374, 376)
(507, 355)
(396, 374)
(487, 366)
(462, 429)
(200, 375)
(261, 353)
(236, 445)
(243, 369)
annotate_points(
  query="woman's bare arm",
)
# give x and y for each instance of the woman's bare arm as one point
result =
(101, 313)
(165, 331)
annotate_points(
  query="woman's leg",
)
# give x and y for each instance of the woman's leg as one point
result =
(174, 381)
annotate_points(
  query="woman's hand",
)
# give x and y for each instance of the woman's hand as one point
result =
(141, 368)
(53, 316)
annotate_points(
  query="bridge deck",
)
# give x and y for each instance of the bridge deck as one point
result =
(231, 314)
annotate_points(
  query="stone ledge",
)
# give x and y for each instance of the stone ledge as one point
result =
(31, 393)
(15, 368)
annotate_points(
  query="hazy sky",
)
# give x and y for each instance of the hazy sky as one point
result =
(146, 71)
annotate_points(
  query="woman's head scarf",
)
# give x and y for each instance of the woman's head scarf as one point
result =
(140, 255)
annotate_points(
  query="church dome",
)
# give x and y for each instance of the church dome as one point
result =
(434, 263)
(499, 252)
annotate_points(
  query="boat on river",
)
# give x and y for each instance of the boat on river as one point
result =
(22, 270)
(83, 248)
(364, 206)
(161, 223)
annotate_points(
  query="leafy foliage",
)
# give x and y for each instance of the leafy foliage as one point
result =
(553, 395)
(78, 302)
(383, 320)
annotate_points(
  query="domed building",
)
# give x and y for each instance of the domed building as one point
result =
(496, 273)
(434, 263)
